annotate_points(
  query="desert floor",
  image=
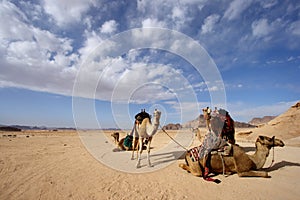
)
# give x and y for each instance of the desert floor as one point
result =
(56, 165)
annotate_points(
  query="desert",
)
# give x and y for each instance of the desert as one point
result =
(57, 165)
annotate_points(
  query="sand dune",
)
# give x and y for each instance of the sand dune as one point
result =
(286, 127)
(56, 165)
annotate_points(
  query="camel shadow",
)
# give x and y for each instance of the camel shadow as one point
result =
(280, 165)
(167, 157)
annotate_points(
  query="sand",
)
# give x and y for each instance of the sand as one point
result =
(56, 165)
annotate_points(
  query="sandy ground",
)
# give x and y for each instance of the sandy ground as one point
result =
(56, 165)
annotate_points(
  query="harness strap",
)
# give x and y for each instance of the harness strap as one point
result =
(273, 156)
(223, 164)
(173, 138)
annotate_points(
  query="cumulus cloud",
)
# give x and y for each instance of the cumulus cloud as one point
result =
(66, 12)
(109, 27)
(51, 56)
(152, 22)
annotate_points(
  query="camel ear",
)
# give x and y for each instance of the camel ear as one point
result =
(261, 137)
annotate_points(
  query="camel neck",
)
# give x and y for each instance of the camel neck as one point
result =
(260, 155)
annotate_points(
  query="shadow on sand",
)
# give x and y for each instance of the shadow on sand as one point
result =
(167, 157)
(281, 164)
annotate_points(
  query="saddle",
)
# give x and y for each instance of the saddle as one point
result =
(223, 151)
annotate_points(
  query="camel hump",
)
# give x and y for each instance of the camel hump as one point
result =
(146, 120)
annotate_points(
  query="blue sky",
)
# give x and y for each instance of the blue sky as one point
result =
(61, 62)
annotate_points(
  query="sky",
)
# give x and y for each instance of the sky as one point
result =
(95, 64)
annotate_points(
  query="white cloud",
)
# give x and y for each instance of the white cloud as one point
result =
(33, 58)
(92, 40)
(209, 23)
(150, 22)
(268, 3)
(13, 23)
(177, 13)
(261, 28)
(66, 12)
(109, 27)
(236, 8)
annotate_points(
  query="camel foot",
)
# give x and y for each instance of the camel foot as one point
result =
(138, 165)
(150, 165)
(184, 167)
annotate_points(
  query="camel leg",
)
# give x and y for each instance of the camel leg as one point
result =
(254, 174)
(191, 167)
(148, 152)
(134, 142)
(138, 164)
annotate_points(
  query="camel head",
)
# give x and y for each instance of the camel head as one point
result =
(269, 142)
(156, 116)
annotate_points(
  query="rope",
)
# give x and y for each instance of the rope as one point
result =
(173, 139)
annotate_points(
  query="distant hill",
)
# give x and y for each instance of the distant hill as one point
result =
(9, 128)
(172, 127)
(22, 127)
(285, 126)
(200, 122)
(261, 120)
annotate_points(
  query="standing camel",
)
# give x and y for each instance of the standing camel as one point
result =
(146, 130)
(240, 162)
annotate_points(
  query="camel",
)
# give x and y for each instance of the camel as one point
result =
(146, 130)
(121, 146)
(116, 136)
(197, 133)
(245, 165)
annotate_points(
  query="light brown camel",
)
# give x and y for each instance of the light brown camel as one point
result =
(240, 162)
(146, 130)
(197, 133)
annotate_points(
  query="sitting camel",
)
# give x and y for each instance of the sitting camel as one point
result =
(239, 162)
(146, 130)
(116, 136)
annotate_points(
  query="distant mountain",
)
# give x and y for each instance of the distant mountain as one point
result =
(9, 128)
(285, 126)
(261, 120)
(22, 127)
(172, 127)
(200, 122)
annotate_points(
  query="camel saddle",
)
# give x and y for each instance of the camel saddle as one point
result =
(224, 151)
